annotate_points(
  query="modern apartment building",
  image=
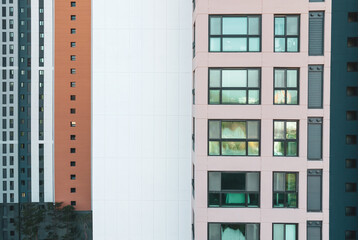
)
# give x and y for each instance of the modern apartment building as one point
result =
(46, 107)
(261, 119)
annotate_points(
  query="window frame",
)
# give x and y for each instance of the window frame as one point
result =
(246, 192)
(297, 140)
(286, 88)
(233, 223)
(221, 36)
(221, 88)
(285, 36)
(285, 192)
(246, 140)
(284, 229)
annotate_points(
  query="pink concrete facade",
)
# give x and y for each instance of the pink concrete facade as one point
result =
(266, 164)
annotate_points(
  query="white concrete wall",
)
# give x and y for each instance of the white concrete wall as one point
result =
(141, 119)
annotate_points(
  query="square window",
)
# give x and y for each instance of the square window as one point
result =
(73, 137)
(351, 139)
(73, 70)
(353, 17)
(73, 124)
(285, 138)
(73, 17)
(73, 190)
(287, 33)
(73, 97)
(73, 203)
(73, 176)
(73, 110)
(73, 57)
(352, 42)
(73, 44)
(352, 91)
(73, 164)
(73, 150)
(351, 163)
(351, 115)
(351, 187)
(350, 211)
(73, 84)
(73, 4)
(352, 66)
(73, 30)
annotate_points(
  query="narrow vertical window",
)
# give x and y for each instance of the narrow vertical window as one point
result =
(314, 230)
(316, 34)
(315, 86)
(314, 139)
(314, 190)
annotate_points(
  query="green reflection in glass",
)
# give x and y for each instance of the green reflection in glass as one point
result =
(292, 200)
(279, 200)
(214, 148)
(234, 96)
(234, 198)
(233, 148)
(278, 148)
(214, 97)
(215, 44)
(292, 149)
(280, 45)
(291, 130)
(233, 130)
(292, 44)
(254, 97)
(290, 181)
(279, 130)
(292, 97)
(215, 75)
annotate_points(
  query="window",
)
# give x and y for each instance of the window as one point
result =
(286, 86)
(73, 44)
(285, 191)
(351, 235)
(73, 110)
(73, 70)
(72, 163)
(73, 137)
(314, 190)
(235, 33)
(73, 176)
(73, 57)
(228, 231)
(316, 34)
(73, 4)
(285, 138)
(353, 17)
(352, 67)
(73, 97)
(73, 190)
(314, 230)
(350, 211)
(73, 150)
(352, 42)
(285, 231)
(352, 91)
(73, 124)
(351, 139)
(73, 203)
(314, 139)
(234, 189)
(73, 17)
(73, 30)
(351, 163)
(287, 33)
(351, 115)
(351, 187)
(234, 86)
(73, 84)
(234, 138)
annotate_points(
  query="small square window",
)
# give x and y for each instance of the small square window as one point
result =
(350, 211)
(73, 97)
(73, 4)
(73, 176)
(73, 57)
(352, 42)
(73, 164)
(73, 30)
(73, 70)
(73, 17)
(351, 115)
(352, 91)
(353, 17)
(351, 139)
(351, 235)
(73, 137)
(73, 84)
(351, 187)
(73, 44)
(73, 110)
(351, 163)
(73, 124)
(73, 150)
(352, 66)
(73, 203)
(73, 190)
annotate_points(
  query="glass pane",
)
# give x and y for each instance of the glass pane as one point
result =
(253, 200)
(280, 45)
(234, 78)
(214, 97)
(292, 44)
(292, 200)
(292, 97)
(214, 199)
(214, 181)
(233, 148)
(252, 232)
(234, 96)
(234, 44)
(290, 181)
(254, 25)
(253, 78)
(278, 149)
(235, 25)
(233, 130)
(229, 232)
(279, 78)
(215, 78)
(279, 97)
(292, 25)
(292, 78)
(254, 44)
(237, 199)
(290, 232)
(214, 231)
(279, 26)
(214, 148)
(279, 181)
(252, 181)
(215, 25)
(279, 200)
(214, 129)
(254, 97)
(215, 44)
(279, 130)
(253, 148)
(233, 181)
(292, 149)
(278, 232)
(253, 129)
(291, 130)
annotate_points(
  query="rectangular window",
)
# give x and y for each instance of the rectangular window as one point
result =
(234, 189)
(314, 139)
(235, 33)
(226, 231)
(234, 86)
(314, 190)
(73, 44)
(285, 138)
(73, 84)
(73, 4)
(73, 30)
(314, 230)
(73, 57)
(285, 231)
(73, 17)
(287, 31)
(351, 235)
(315, 86)
(234, 138)
(286, 89)
(316, 34)
(285, 190)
